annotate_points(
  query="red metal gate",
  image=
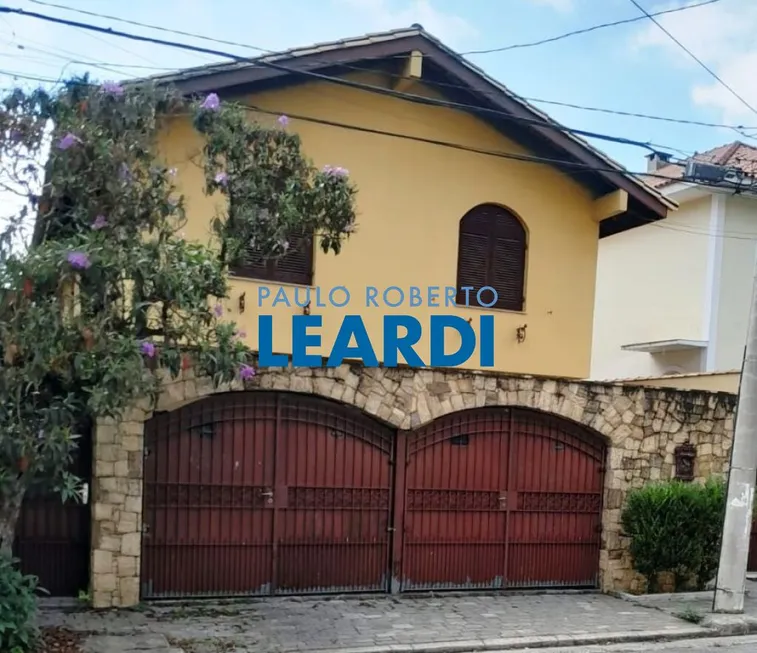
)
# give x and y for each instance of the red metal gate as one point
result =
(277, 493)
(497, 498)
(751, 565)
(53, 538)
(266, 493)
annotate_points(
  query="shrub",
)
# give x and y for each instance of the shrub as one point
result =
(18, 608)
(675, 527)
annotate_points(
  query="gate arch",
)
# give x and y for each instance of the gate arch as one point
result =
(501, 497)
(266, 492)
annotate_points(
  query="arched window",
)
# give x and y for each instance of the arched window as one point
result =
(492, 252)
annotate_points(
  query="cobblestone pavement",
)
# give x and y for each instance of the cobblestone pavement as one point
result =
(294, 625)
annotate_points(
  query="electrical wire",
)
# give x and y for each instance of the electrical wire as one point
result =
(203, 37)
(695, 58)
(585, 30)
(559, 163)
(505, 155)
(524, 158)
(419, 99)
(506, 48)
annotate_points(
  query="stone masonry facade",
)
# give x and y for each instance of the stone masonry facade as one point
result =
(641, 426)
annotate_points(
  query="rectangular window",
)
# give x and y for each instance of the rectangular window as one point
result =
(295, 267)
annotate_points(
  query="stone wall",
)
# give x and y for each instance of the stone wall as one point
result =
(642, 427)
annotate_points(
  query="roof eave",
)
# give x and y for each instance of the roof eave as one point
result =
(386, 44)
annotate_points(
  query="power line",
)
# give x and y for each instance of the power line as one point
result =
(506, 48)
(585, 30)
(431, 82)
(694, 57)
(73, 58)
(457, 146)
(493, 153)
(107, 65)
(559, 163)
(419, 99)
(630, 114)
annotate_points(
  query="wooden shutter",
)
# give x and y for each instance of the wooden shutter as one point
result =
(492, 252)
(295, 267)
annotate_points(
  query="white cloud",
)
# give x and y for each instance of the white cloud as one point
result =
(563, 6)
(722, 36)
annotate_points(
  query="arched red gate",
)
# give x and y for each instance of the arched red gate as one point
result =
(500, 497)
(266, 493)
(275, 493)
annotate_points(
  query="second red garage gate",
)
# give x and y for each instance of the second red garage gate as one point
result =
(500, 497)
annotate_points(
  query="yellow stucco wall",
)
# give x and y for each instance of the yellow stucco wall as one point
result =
(411, 197)
(710, 382)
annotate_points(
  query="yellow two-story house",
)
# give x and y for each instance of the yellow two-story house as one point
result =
(389, 480)
(459, 184)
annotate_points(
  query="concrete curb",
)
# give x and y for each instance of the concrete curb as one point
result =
(519, 643)
(730, 624)
(653, 600)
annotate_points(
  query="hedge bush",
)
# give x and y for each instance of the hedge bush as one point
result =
(18, 608)
(675, 527)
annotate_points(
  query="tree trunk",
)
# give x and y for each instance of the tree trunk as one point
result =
(10, 508)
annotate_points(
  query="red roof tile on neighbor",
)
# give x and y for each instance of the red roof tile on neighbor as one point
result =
(735, 155)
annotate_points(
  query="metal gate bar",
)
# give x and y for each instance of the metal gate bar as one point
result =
(53, 538)
(499, 498)
(266, 493)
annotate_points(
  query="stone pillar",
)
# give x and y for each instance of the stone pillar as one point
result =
(117, 511)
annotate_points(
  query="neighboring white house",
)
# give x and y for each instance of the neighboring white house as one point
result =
(673, 296)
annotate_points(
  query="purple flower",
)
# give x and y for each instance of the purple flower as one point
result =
(211, 103)
(218, 310)
(148, 349)
(69, 140)
(124, 173)
(100, 223)
(113, 88)
(241, 334)
(78, 260)
(246, 372)
(349, 228)
(222, 178)
(335, 172)
(283, 121)
(172, 172)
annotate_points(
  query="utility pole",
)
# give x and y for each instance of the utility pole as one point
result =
(730, 584)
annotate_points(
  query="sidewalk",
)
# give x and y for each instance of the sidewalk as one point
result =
(447, 624)
(696, 607)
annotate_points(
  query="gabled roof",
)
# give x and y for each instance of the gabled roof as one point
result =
(733, 155)
(460, 81)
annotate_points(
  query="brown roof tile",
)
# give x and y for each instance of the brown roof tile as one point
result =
(734, 155)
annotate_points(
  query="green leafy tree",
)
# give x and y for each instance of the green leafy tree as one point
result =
(107, 299)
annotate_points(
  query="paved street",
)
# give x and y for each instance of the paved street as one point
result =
(295, 625)
(717, 645)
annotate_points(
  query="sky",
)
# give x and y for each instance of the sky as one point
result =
(633, 67)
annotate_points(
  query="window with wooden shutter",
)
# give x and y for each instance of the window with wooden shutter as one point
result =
(492, 252)
(295, 267)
